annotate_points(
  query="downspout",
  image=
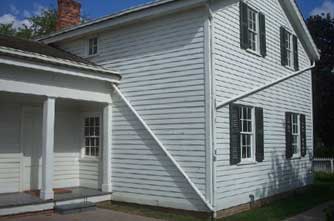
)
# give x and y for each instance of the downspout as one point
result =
(210, 106)
(246, 94)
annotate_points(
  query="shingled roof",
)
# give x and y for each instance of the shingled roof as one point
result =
(40, 48)
(37, 51)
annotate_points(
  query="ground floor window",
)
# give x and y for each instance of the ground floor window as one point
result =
(295, 134)
(91, 136)
(247, 133)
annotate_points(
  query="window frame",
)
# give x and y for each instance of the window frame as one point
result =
(252, 134)
(256, 32)
(289, 49)
(84, 116)
(89, 46)
(296, 154)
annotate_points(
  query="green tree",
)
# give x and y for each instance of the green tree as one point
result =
(322, 30)
(44, 24)
(41, 25)
(7, 29)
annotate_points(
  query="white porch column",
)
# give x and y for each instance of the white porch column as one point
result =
(48, 148)
(106, 153)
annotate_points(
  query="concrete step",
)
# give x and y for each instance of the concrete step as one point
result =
(75, 208)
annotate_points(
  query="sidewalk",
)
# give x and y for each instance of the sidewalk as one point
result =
(315, 214)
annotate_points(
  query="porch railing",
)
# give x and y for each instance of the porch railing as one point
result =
(323, 165)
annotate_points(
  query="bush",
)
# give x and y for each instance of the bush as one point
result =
(330, 213)
(324, 152)
(324, 177)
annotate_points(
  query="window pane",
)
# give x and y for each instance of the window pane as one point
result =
(248, 152)
(244, 152)
(97, 131)
(97, 121)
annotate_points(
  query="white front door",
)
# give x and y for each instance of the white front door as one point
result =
(32, 148)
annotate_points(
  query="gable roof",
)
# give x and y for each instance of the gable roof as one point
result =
(289, 6)
(42, 53)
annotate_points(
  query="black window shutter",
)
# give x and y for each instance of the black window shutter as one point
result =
(263, 43)
(244, 42)
(303, 135)
(284, 60)
(259, 135)
(288, 135)
(295, 53)
(235, 128)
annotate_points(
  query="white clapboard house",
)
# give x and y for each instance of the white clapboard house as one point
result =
(202, 105)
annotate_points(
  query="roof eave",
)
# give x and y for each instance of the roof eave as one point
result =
(123, 17)
(305, 36)
(34, 63)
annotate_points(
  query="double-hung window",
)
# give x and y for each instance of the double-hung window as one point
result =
(91, 136)
(93, 46)
(252, 30)
(247, 133)
(295, 126)
(295, 135)
(288, 46)
(253, 34)
(289, 49)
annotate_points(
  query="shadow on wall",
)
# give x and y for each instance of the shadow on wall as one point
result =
(284, 176)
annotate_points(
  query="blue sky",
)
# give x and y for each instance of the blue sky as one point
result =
(17, 10)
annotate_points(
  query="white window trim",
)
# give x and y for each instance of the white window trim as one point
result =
(298, 154)
(87, 46)
(83, 155)
(252, 159)
(257, 40)
(291, 66)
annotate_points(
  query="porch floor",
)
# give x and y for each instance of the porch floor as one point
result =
(21, 199)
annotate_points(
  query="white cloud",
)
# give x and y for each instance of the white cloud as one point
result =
(12, 19)
(13, 9)
(325, 8)
(19, 18)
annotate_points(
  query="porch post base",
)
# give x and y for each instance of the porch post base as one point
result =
(46, 195)
(106, 188)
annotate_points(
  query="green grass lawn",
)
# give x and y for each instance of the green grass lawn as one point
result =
(322, 191)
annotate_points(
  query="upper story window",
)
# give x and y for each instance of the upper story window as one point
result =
(93, 46)
(91, 136)
(246, 134)
(252, 30)
(289, 49)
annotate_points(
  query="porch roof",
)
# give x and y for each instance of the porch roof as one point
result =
(38, 52)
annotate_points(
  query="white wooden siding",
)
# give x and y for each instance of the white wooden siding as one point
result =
(67, 149)
(162, 66)
(237, 71)
(10, 156)
(68, 172)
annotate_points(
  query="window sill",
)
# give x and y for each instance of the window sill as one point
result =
(289, 68)
(256, 53)
(247, 162)
(89, 159)
(92, 56)
(297, 157)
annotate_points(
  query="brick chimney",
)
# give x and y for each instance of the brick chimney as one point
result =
(68, 14)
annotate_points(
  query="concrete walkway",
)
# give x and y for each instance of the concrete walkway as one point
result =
(315, 214)
(98, 215)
